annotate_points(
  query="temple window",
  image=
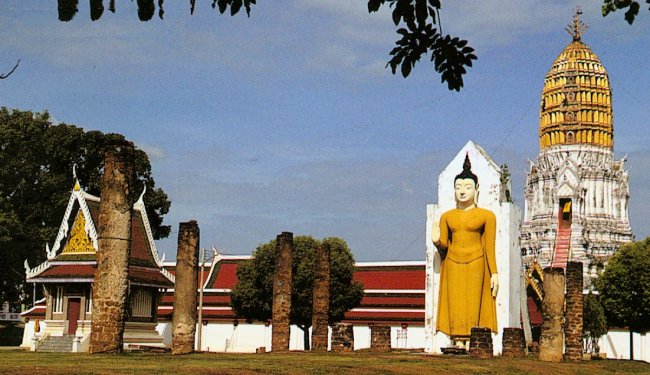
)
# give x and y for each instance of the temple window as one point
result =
(57, 306)
(141, 303)
(89, 301)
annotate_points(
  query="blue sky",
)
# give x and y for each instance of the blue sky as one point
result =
(288, 121)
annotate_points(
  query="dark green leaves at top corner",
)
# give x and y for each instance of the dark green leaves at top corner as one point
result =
(235, 6)
(614, 5)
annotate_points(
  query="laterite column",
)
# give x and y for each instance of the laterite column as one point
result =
(282, 292)
(551, 342)
(184, 315)
(321, 298)
(110, 287)
(574, 313)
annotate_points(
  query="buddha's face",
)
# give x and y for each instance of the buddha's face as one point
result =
(465, 190)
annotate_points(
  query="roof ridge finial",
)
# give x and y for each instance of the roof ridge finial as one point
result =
(577, 28)
(77, 185)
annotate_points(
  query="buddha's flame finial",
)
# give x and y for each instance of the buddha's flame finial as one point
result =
(577, 28)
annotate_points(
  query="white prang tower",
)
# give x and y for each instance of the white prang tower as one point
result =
(576, 193)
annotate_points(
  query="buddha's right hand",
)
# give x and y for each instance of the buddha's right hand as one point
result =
(435, 233)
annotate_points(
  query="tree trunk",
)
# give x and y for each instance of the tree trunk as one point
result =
(631, 344)
(305, 337)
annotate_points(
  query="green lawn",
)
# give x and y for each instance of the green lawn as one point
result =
(21, 362)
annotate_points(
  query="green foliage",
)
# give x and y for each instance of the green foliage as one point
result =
(595, 324)
(252, 297)
(631, 6)
(36, 159)
(421, 31)
(624, 287)
(419, 37)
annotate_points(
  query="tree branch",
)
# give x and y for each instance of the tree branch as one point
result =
(3, 76)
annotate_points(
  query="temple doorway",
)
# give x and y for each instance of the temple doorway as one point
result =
(565, 213)
(73, 314)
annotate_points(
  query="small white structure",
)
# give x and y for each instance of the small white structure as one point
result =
(494, 195)
(616, 345)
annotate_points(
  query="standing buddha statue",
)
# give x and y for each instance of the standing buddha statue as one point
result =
(465, 238)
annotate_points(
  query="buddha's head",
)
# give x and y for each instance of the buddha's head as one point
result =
(466, 185)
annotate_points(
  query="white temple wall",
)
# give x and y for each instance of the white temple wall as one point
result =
(224, 337)
(616, 345)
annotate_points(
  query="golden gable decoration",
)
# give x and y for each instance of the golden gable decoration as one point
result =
(79, 242)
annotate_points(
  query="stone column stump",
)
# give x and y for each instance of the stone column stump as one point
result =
(551, 342)
(280, 333)
(185, 288)
(379, 338)
(574, 312)
(321, 298)
(514, 343)
(110, 289)
(342, 337)
(480, 343)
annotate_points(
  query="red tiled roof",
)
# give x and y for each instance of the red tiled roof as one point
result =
(227, 276)
(140, 246)
(415, 301)
(376, 307)
(392, 277)
(534, 312)
(142, 275)
(148, 276)
(68, 271)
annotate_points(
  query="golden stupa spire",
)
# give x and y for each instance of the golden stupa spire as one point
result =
(576, 105)
(577, 28)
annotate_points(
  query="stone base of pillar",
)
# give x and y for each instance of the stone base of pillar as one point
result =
(342, 337)
(480, 343)
(379, 338)
(514, 343)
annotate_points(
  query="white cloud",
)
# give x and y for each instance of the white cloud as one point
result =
(152, 151)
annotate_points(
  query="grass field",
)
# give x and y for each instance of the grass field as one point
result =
(21, 362)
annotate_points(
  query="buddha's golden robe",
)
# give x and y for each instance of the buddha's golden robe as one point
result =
(465, 298)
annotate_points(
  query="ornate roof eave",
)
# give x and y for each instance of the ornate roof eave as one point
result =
(140, 207)
(215, 259)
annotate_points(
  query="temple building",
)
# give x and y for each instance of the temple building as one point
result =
(67, 277)
(576, 193)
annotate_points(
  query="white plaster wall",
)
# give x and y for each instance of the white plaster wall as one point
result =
(361, 337)
(243, 338)
(414, 337)
(164, 329)
(616, 344)
(507, 244)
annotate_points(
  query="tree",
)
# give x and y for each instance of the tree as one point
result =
(252, 297)
(595, 324)
(6, 75)
(624, 288)
(631, 6)
(36, 160)
(418, 23)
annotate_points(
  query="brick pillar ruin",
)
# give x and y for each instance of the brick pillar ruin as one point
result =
(480, 343)
(321, 298)
(110, 289)
(342, 337)
(280, 333)
(379, 338)
(573, 313)
(184, 315)
(551, 342)
(514, 343)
